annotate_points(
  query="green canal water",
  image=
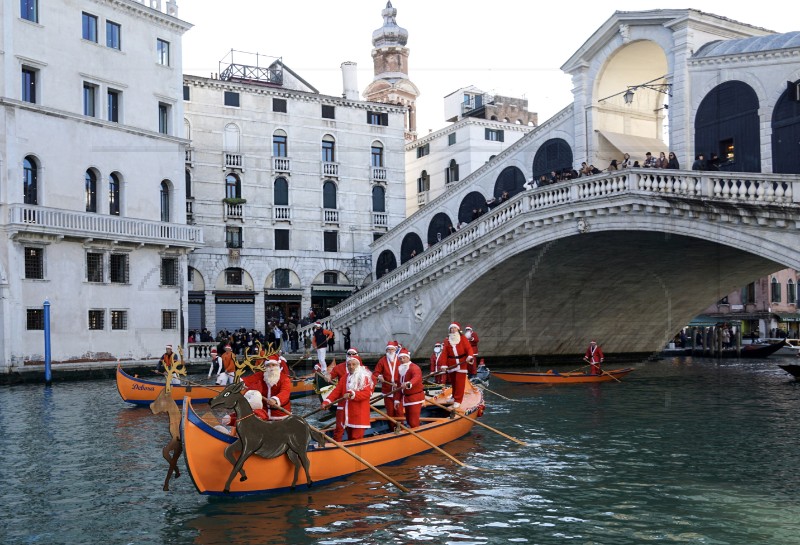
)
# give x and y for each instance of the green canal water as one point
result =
(682, 451)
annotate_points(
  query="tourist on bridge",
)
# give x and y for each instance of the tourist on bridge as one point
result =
(458, 355)
(673, 162)
(357, 390)
(410, 396)
(438, 364)
(594, 357)
(385, 373)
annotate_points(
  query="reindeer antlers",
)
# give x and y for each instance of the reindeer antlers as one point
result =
(253, 363)
(174, 366)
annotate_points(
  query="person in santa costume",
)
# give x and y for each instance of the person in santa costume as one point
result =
(356, 389)
(275, 387)
(410, 394)
(253, 397)
(438, 363)
(339, 374)
(385, 374)
(594, 357)
(472, 337)
(458, 355)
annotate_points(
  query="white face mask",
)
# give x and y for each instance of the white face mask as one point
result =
(437, 349)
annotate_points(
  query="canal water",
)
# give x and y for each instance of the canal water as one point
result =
(682, 451)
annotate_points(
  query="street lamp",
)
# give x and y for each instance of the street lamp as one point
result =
(628, 94)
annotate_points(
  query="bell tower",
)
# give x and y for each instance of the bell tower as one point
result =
(390, 60)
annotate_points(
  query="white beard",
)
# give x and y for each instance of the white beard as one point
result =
(359, 379)
(403, 369)
(468, 335)
(454, 338)
(391, 358)
(272, 376)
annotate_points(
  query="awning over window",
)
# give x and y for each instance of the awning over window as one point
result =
(635, 146)
(704, 320)
(788, 316)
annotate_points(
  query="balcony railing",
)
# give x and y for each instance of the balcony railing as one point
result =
(188, 155)
(23, 218)
(189, 210)
(330, 169)
(281, 213)
(233, 211)
(329, 215)
(281, 164)
(233, 160)
(380, 219)
(379, 174)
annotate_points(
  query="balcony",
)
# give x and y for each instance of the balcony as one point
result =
(281, 164)
(380, 219)
(330, 215)
(233, 160)
(233, 210)
(23, 218)
(281, 213)
(188, 156)
(190, 210)
(378, 174)
(330, 170)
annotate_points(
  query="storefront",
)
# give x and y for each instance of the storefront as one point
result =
(235, 310)
(281, 305)
(326, 296)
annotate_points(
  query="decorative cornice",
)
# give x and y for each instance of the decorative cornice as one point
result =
(468, 121)
(755, 56)
(138, 7)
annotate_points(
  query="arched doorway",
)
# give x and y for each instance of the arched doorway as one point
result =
(439, 228)
(386, 263)
(472, 206)
(553, 155)
(511, 180)
(727, 125)
(411, 246)
(786, 133)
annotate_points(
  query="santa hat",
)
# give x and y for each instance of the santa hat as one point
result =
(437, 344)
(169, 347)
(273, 359)
(454, 325)
(352, 351)
(317, 324)
(592, 342)
(282, 358)
(356, 358)
(253, 397)
(404, 352)
(393, 344)
(228, 347)
(213, 351)
(468, 328)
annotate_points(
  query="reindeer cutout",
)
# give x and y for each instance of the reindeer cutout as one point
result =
(252, 363)
(267, 439)
(176, 366)
(172, 451)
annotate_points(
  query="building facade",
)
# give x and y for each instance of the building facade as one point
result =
(290, 187)
(93, 181)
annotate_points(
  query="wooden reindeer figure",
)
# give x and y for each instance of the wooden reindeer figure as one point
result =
(251, 363)
(289, 436)
(165, 404)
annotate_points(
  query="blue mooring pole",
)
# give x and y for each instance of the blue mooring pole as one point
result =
(48, 374)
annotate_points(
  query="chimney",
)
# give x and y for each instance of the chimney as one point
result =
(350, 80)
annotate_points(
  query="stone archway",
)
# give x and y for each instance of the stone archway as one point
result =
(386, 263)
(439, 228)
(410, 247)
(786, 134)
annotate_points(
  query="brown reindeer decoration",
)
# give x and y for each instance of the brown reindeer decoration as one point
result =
(165, 404)
(267, 439)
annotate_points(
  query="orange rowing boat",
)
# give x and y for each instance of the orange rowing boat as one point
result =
(553, 377)
(141, 391)
(204, 447)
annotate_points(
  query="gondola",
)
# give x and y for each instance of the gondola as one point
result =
(139, 391)
(793, 369)
(553, 377)
(203, 447)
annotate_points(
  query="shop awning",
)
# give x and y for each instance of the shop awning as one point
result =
(635, 146)
(705, 320)
(787, 316)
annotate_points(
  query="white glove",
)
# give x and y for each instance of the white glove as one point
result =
(225, 420)
(407, 386)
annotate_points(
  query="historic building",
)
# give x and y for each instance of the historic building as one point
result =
(482, 125)
(290, 187)
(92, 180)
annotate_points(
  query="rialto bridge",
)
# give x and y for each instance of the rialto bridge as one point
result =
(625, 257)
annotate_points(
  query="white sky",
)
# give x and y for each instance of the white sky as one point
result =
(509, 47)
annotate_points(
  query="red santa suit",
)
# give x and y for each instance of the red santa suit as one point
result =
(458, 354)
(594, 355)
(472, 337)
(411, 395)
(438, 363)
(338, 374)
(386, 368)
(358, 385)
(280, 393)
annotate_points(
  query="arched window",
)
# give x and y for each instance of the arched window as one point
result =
(775, 291)
(510, 181)
(329, 195)
(328, 145)
(280, 144)
(90, 183)
(451, 172)
(386, 263)
(411, 247)
(30, 181)
(113, 194)
(280, 192)
(188, 184)
(378, 199)
(377, 155)
(791, 292)
(554, 155)
(165, 204)
(233, 187)
(439, 228)
(473, 205)
(423, 182)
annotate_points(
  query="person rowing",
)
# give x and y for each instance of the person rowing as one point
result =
(594, 357)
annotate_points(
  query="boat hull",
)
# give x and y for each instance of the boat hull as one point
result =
(792, 369)
(139, 391)
(562, 378)
(204, 446)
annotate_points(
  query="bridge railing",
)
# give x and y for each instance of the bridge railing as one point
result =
(750, 187)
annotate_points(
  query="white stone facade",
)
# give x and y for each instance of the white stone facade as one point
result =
(297, 248)
(91, 153)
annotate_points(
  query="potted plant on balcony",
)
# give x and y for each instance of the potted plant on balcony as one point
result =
(234, 200)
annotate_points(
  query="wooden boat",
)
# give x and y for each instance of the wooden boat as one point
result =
(553, 377)
(141, 391)
(793, 369)
(203, 447)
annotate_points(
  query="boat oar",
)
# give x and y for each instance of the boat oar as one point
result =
(485, 389)
(421, 438)
(353, 454)
(488, 427)
(612, 376)
(304, 356)
(578, 369)
(318, 409)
